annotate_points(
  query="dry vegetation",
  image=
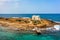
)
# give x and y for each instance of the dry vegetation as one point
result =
(25, 24)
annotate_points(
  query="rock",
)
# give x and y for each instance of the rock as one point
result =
(25, 25)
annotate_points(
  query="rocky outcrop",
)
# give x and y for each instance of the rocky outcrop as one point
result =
(26, 24)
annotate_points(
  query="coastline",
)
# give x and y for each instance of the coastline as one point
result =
(27, 24)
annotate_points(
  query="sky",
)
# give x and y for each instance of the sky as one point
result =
(29, 6)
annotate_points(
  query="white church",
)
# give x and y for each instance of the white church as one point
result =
(36, 17)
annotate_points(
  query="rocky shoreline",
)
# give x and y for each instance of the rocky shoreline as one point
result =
(27, 24)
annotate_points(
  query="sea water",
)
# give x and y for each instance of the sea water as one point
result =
(14, 35)
(8, 35)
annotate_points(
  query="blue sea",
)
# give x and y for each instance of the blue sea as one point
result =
(8, 35)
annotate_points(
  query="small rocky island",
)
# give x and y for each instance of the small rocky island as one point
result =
(34, 24)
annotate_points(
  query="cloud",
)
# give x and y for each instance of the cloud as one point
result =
(8, 6)
(2, 2)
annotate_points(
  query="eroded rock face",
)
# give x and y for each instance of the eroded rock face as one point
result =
(26, 24)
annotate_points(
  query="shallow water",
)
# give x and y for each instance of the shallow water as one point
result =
(14, 35)
(18, 36)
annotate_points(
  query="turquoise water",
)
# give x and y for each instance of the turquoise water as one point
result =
(8, 35)
(20, 36)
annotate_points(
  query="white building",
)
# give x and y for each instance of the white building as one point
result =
(35, 17)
